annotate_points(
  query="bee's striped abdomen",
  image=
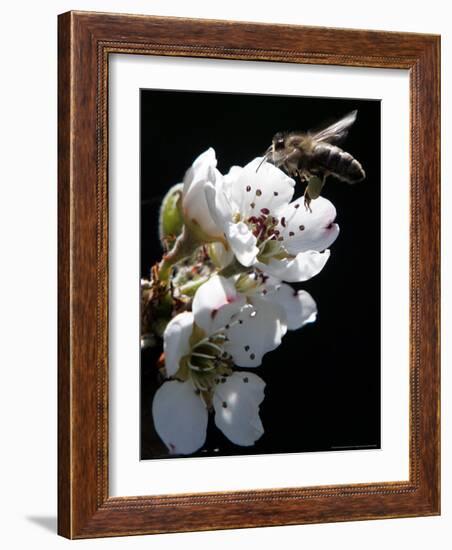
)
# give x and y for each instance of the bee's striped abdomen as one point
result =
(338, 162)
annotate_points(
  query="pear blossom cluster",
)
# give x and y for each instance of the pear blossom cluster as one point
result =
(221, 297)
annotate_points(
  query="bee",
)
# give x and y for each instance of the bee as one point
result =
(312, 156)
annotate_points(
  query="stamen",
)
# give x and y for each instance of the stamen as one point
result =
(199, 369)
(269, 291)
(215, 347)
(203, 355)
(263, 243)
(209, 368)
(205, 340)
(292, 214)
(193, 367)
(261, 232)
(200, 386)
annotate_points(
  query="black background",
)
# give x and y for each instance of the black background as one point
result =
(323, 382)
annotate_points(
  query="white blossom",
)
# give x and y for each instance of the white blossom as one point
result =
(225, 329)
(264, 228)
(180, 413)
(250, 215)
(297, 306)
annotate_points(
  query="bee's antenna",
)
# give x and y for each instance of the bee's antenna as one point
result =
(265, 157)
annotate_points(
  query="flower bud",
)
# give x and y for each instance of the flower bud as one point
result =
(171, 219)
(196, 213)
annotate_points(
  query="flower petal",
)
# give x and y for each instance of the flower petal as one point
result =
(232, 175)
(304, 266)
(176, 340)
(218, 204)
(215, 302)
(236, 403)
(256, 330)
(299, 306)
(180, 417)
(259, 186)
(304, 230)
(194, 201)
(200, 167)
(242, 242)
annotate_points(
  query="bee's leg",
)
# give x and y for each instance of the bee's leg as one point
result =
(307, 200)
(303, 176)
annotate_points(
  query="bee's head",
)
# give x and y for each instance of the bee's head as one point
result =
(278, 141)
(278, 147)
(275, 152)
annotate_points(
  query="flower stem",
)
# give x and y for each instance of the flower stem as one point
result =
(190, 288)
(185, 245)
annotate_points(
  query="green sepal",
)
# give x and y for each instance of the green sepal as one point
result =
(162, 314)
(197, 335)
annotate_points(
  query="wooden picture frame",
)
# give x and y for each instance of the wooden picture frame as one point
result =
(86, 40)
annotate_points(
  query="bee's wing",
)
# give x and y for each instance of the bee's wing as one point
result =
(337, 131)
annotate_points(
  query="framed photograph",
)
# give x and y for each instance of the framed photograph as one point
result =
(311, 390)
(248, 275)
